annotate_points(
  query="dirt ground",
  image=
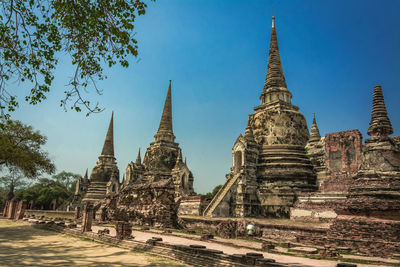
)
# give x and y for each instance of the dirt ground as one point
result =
(23, 245)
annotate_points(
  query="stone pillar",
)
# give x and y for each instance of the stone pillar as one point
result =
(12, 209)
(124, 230)
(6, 206)
(103, 214)
(77, 212)
(87, 217)
(21, 209)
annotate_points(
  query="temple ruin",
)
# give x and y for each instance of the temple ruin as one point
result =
(163, 158)
(270, 167)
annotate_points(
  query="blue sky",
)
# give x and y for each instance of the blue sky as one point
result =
(215, 53)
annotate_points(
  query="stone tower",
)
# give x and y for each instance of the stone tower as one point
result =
(105, 175)
(163, 158)
(275, 148)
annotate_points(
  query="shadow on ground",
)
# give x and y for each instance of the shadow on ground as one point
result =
(23, 245)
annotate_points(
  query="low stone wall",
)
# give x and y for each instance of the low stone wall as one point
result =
(50, 213)
(371, 236)
(318, 207)
(277, 232)
(194, 255)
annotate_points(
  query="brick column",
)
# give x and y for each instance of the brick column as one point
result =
(77, 212)
(87, 217)
(12, 209)
(21, 209)
(103, 214)
(5, 210)
(124, 230)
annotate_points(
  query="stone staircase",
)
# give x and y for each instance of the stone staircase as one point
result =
(96, 191)
(220, 195)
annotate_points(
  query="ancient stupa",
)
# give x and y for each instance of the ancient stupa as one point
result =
(270, 166)
(163, 158)
(105, 175)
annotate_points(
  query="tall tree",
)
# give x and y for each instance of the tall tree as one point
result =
(34, 33)
(21, 150)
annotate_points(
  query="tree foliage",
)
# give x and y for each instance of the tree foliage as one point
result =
(68, 179)
(45, 192)
(21, 150)
(34, 33)
(214, 192)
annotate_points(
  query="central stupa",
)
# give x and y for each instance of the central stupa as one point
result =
(270, 166)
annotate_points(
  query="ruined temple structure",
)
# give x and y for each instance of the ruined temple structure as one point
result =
(369, 221)
(148, 203)
(270, 167)
(163, 159)
(105, 175)
(81, 188)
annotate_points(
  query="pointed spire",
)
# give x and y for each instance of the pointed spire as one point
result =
(179, 159)
(165, 129)
(275, 83)
(86, 177)
(275, 77)
(314, 133)
(185, 161)
(138, 159)
(108, 148)
(379, 125)
(179, 162)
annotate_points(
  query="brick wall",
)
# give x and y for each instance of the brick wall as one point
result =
(343, 157)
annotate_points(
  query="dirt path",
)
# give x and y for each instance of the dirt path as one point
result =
(23, 245)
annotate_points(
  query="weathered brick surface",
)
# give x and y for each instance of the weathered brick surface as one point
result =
(193, 205)
(123, 230)
(151, 203)
(21, 207)
(87, 217)
(343, 157)
(367, 235)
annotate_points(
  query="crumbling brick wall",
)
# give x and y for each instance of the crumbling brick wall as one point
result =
(343, 158)
(151, 203)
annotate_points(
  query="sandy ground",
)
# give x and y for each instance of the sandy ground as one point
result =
(23, 245)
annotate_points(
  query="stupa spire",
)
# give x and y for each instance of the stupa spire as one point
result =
(138, 159)
(379, 125)
(275, 84)
(86, 177)
(179, 159)
(165, 129)
(108, 147)
(314, 133)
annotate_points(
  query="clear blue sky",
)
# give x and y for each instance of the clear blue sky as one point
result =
(215, 53)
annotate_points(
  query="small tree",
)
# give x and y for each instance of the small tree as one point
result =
(21, 150)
